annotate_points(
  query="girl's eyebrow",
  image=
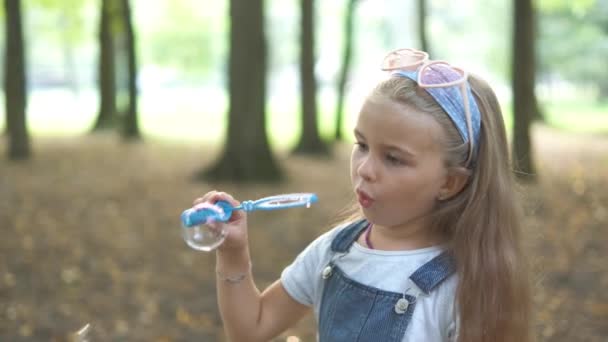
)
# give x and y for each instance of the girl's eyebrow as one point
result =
(359, 134)
(397, 148)
(407, 152)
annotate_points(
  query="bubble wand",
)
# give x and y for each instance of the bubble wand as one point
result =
(197, 222)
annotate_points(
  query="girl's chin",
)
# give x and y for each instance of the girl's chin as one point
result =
(369, 215)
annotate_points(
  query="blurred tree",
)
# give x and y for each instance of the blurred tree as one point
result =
(349, 25)
(310, 140)
(246, 156)
(523, 83)
(567, 29)
(117, 52)
(15, 83)
(130, 124)
(422, 32)
(106, 117)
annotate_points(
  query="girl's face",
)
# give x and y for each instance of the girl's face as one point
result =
(397, 167)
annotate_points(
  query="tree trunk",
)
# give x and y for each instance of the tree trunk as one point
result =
(106, 117)
(602, 95)
(310, 140)
(346, 60)
(523, 81)
(246, 156)
(131, 127)
(422, 32)
(15, 87)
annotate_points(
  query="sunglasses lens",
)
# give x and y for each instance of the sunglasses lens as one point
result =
(440, 73)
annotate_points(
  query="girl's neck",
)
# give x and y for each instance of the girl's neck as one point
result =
(409, 237)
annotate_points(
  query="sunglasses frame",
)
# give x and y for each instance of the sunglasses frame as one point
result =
(421, 63)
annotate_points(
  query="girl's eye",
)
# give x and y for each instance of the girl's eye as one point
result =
(394, 160)
(361, 146)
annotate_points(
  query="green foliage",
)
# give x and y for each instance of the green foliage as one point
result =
(573, 42)
(576, 6)
(184, 38)
(65, 14)
(476, 31)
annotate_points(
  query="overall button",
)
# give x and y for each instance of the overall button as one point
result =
(326, 272)
(401, 306)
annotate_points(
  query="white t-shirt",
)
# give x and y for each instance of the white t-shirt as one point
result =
(434, 316)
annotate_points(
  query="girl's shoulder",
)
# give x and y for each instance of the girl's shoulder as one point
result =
(301, 279)
(335, 230)
(320, 249)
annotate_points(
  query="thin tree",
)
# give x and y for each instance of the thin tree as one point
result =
(422, 31)
(349, 25)
(130, 124)
(246, 156)
(523, 82)
(15, 86)
(106, 118)
(310, 140)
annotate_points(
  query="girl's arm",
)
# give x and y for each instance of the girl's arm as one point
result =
(249, 315)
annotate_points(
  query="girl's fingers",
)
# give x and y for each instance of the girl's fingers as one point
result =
(223, 196)
(214, 226)
(227, 197)
(215, 196)
(205, 198)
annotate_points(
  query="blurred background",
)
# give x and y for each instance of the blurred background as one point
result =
(116, 114)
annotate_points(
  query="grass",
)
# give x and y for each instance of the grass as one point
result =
(576, 116)
(579, 116)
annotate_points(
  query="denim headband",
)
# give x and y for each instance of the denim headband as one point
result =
(450, 99)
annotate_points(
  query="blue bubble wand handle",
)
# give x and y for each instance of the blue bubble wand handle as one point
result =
(197, 222)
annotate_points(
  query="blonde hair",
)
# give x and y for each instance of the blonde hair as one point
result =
(482, 221)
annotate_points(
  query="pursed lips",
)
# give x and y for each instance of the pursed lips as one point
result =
(364, 198)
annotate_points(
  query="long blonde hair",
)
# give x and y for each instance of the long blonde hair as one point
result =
(482, 222)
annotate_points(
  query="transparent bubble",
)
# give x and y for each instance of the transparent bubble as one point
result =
(204, 237)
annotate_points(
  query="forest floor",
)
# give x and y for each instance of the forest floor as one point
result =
(91, 235)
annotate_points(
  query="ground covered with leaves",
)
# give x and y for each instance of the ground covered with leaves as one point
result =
(91, 238)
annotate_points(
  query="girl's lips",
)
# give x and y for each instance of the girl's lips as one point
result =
(364, 199)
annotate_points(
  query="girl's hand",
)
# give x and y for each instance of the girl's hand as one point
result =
(235, 228)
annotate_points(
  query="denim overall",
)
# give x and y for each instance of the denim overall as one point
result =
(351, 311)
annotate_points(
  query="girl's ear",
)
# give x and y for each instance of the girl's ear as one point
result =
(457, 178)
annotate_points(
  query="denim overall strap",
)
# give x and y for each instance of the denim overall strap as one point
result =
(351, 311)
(347, 236)
(431, 274)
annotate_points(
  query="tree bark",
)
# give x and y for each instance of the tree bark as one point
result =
(15, 86)
(310, 140)
(523, 82)
(422, 31)
(246, 156)
(106, 117)
(131, 126)
(345, 70)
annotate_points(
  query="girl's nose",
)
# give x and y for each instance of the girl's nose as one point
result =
(366, 169)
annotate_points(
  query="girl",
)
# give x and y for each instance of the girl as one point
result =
(433, 253)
